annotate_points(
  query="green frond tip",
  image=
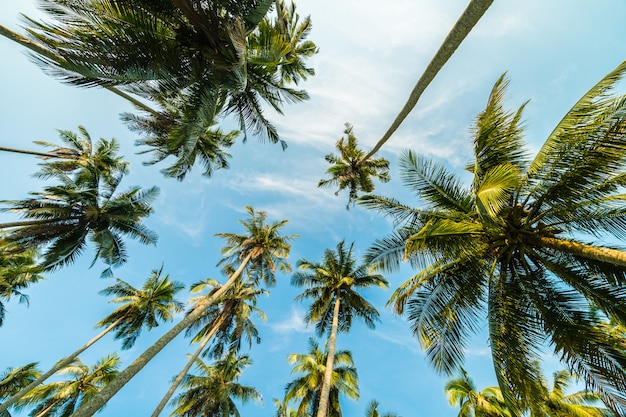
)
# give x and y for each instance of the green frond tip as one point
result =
(349, 170)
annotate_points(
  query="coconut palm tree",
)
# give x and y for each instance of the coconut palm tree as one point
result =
(462, 393)
(154, 302)
(372, 410)
(261, 250)
(340, 170)
(351, 171)
(556, 403)
(78, 151)
(14, 379)
(263, 241)
(333, 286)
(305, 390)
(61, 398)
(210, 59)
(515, 245)
(82, 205)
(18, 269)
(213, 392)
(225, 324)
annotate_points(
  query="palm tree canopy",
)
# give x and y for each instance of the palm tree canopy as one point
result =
(13, 379)
(144, 307)
(195, 61)
(83, 204)
(306, 388)
(267, 247)
(18, 269)
(233, 317)
(62, 398)
(337, 277)
(350, 170)
(555, 402)
(513, 246)
(462, 393)
(214, 390)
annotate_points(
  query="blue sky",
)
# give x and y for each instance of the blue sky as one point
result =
(370, 57)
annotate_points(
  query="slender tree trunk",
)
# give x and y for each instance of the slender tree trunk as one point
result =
(471, 15)
(89, 408)
(61, 364)
(612, 256)
(47, 409)
(41, 50)
(322, 410)
(184, 371)
(35, 153)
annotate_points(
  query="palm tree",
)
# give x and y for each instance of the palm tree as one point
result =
(81, 206)
(306, 389)
(263, 241)
(13, 379)
(468, 19)
(226, 323)
(210, 58)
(514, 245)
(144, 307)
(333, 286)
(462, 393)
(350, 170)
(555, 403)
(61, 398)
(372, 410)
(18, 269)
(215, 390)
(79, 152)
(261, 250)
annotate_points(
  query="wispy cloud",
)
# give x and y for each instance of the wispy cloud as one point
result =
(294, 323)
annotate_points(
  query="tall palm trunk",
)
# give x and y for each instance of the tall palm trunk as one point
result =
(322, 410)
(59, 365)
(608, 255)
(41, 50)
(89, 408)
(184, 371)
(35, 153)
(471, 15)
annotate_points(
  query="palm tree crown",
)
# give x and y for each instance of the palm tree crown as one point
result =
(337, 277)
(61, 398)
(262, 243)
(462, 393)
(305, 390)
(350, 170)
(144, 307)
(84, 204)
(213, 392)
(512, 244)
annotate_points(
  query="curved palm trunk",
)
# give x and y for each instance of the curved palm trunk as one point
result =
(322, 410)
(471, 15)
(35, 153)
(184, 371)
(41, 50)
(608, 255)
(89, 408)
(61, 364)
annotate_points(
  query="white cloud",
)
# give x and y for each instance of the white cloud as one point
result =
(294, 323)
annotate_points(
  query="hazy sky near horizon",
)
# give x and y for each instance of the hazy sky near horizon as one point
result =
(370, 56)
